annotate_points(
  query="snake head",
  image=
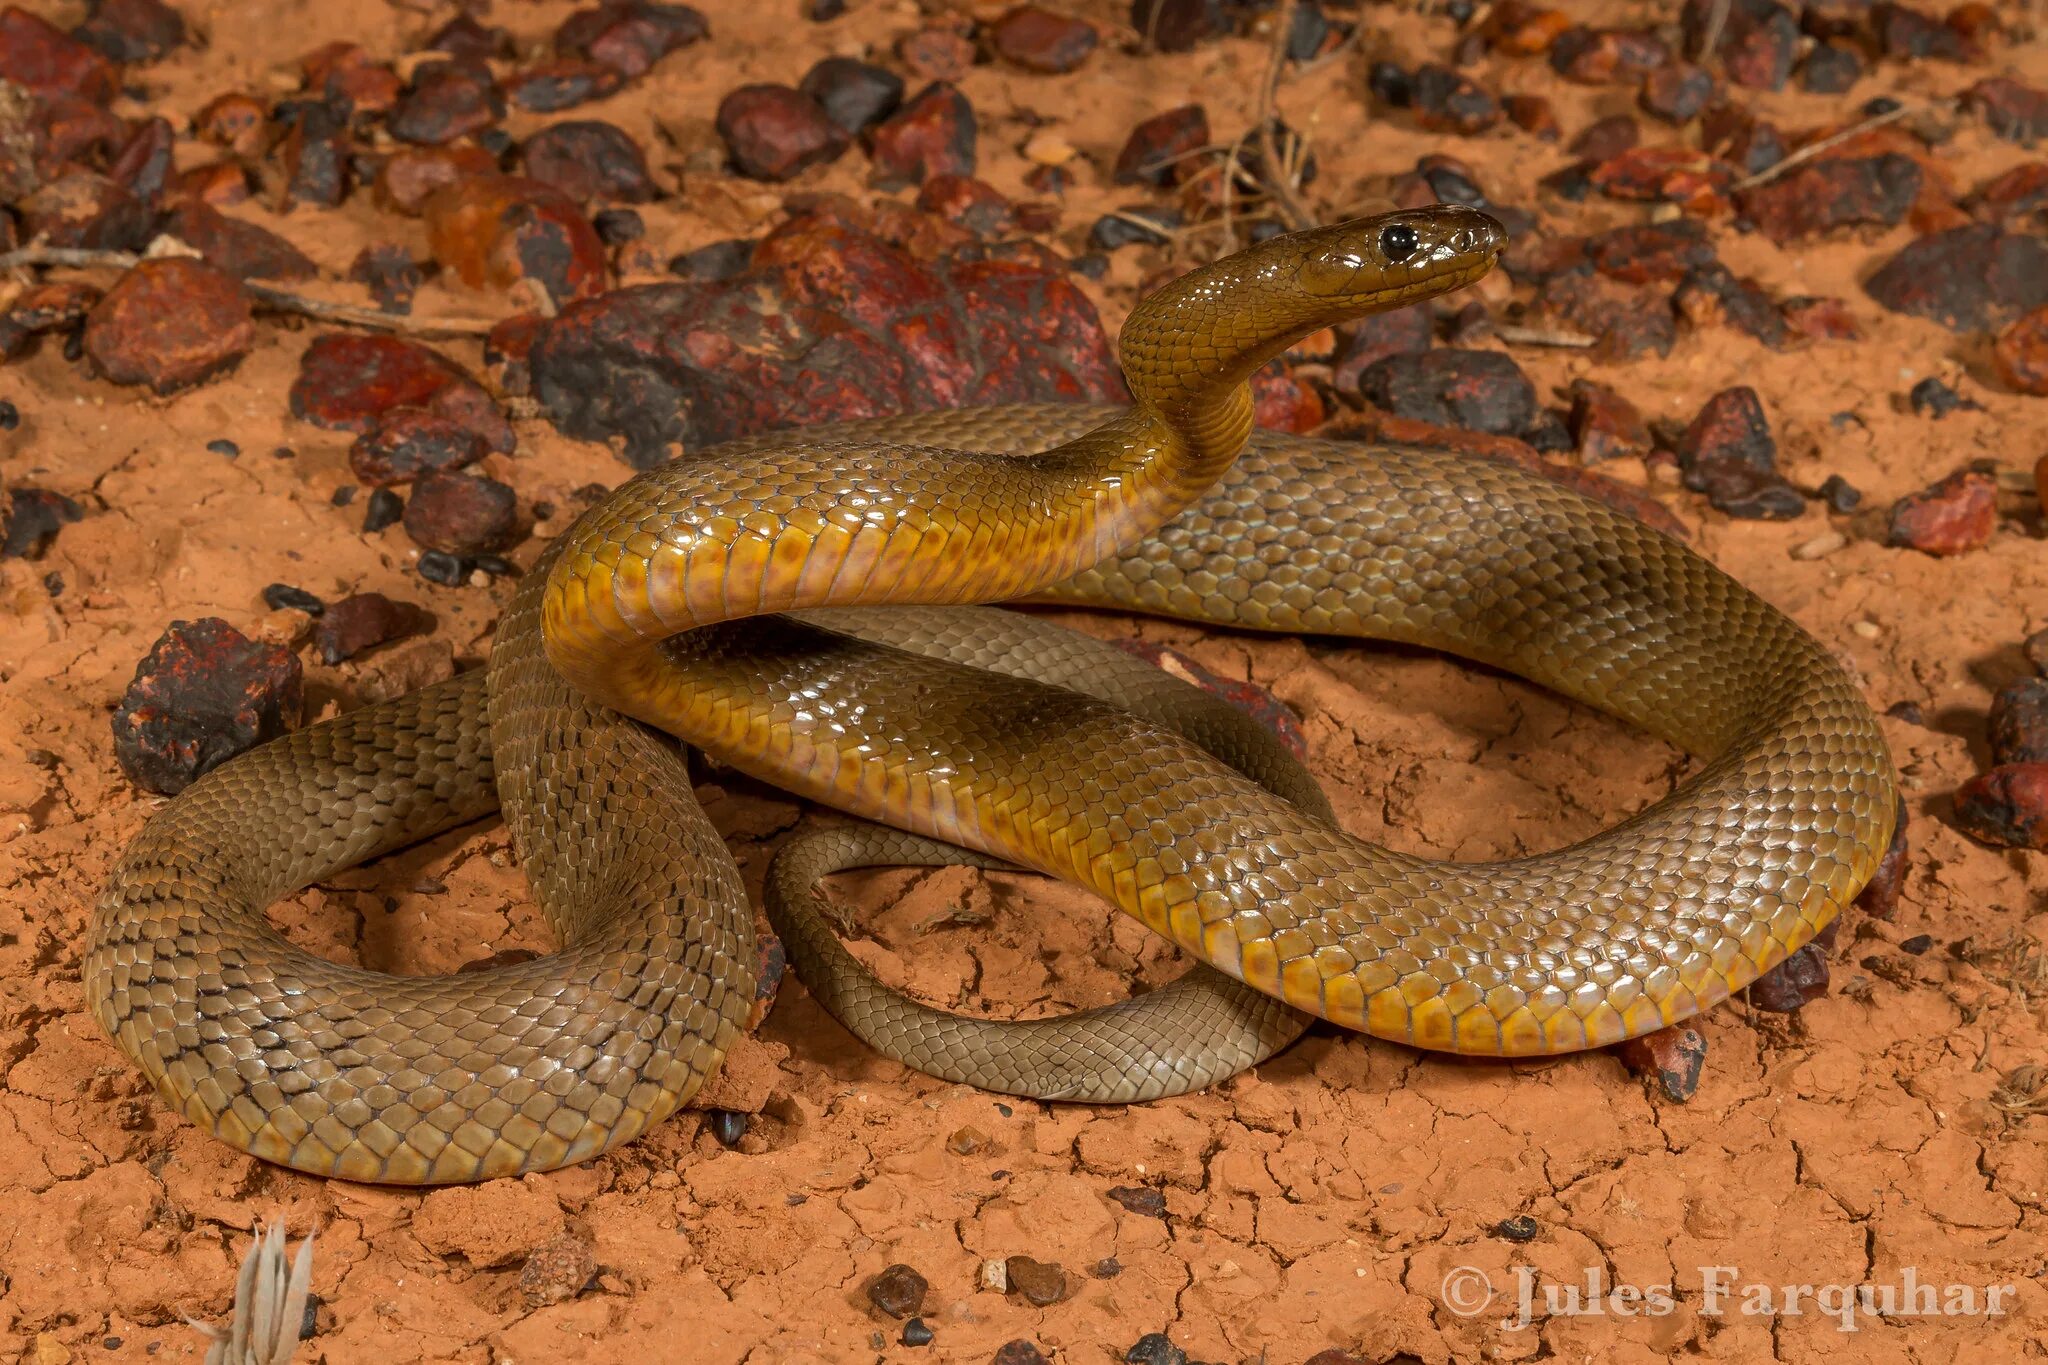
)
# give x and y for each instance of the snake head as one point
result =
(1391, 260)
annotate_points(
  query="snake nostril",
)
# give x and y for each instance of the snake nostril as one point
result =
(1398, 243)
(1463, 240)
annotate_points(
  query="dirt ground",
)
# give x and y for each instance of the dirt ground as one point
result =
(1345, 1195)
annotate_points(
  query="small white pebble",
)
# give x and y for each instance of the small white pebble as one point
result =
(1822, 545)
(1867, 629)
(995, 1275)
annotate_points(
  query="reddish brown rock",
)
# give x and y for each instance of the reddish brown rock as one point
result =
(446, 100)
(236, 121)
(1799, 980)
(932, 134)
(1446, 100)
(588, 160)
(1758, 42)
(248, 251)
(1714, 296)
(347, 381)
(86, 209)
(1478, 390)
(774, 132)
(1729, 454)
(1833, 193)
(898, 1291)
(1677, 93)
(346, 75)
(1263, 707)
(1693, 180)
(1178, 25)
(1966, 278)
(503, 230)
(46, 61)
(406, 443)
(2021, 353)
(45, 308)
(2017, 193)
(1534, 115)
(1907, 34)
(2016, 112)
(1604, 425)
(562, 84)
(1401, 331)
(360, 623)
(1607, 138)
(203, 693)
(170, 324)
(631, 35)
(1157, 150)
(461, 514)
(1284, 402)
(940, 53)
(390, 273)
(2018, 723)
(1607, 56)
(144, 166)
(410, 175)
(855, 95)
(1040, 40)
(1952, 517)
(973, 204)
(1819, 319)
(558, 1271)
(1525, 30)
(1672, 1057)
(316, 151)
(2006, 807)
(1652, 252)
(1039, 1283)
(132, 30)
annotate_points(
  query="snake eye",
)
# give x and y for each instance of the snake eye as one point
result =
(1398, 243)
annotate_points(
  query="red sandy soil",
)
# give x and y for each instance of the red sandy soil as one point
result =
(1319, 1202)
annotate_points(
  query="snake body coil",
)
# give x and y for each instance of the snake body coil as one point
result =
(657, 606)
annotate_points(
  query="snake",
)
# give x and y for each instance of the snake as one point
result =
(802, 606)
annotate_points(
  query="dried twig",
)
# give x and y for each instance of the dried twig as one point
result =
(1277, 180)
(270, 1304)
(1537, 336)
(1716, 18)
(1814, 149)
(268, 295)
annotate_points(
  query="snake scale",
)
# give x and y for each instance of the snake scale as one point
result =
(706, 598)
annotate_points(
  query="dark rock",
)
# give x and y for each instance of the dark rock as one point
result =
(618, 227)
(1040, 40)
(1738, 137)
(1519, 1229)
(1841, 496)
(1730, 428)
(1534, 115)
(446, 570)
(1758, 42)
(1604, 139)
(33, 517)
(1715, 296)
(279, 596)
(1140, 1199)
(1695, 181)
(1155, 1348)
(2006, 807)
(1744, 492)
(1834, 193)
(916, 1333)
(1967, 278)
(1626, 323)
(411, 175)
(446, 100)
(1933, 399)
(933, 134)
(2015, 112)
(2018, 193)
(1038, 1283)
(2036, 650)
(774, 132)
(1157, 150)
(144, 164)
(385, 508)
(1652, 252)
(1917, 945)
(631, 35)
(562, 84)
(2018, 723)
(346, 77)
(587, 160)
(223, 446)
(347, 382)
(408, 442)
(170, 323)
(1128, 226)
(898, 1291)
(937, 52)
(45, 308)
(1604, 425)
(463, 36)
(1446, 100)
(855, 95)
(1799, 980)
(1952, 517)
(89, 210)
(1019, 1352)
(1178, 25)
(461, 514)
(2021, 353)
(1401, 331)
(132, 30)
(716, 262)
(1831, 69)
(1673, 1057)
(236, 121)
(362, 622)
(1677, 93)
(1607, 56)
(1390, 84)
(1879, 897)
(1479, 390)
(973, 204)
(388, 270)
(247, 251)
(1907, 34)
(204, 693)
(45, 61)
(316, 152)
(502, 230)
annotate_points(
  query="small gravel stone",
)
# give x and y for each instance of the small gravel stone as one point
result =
(718, 261)
(447, 99)
(562, 83)
(557, 1271)
(224, 446)
(1019, 1352)
(916, 1333)
(1797, 981)
(1446, 100)
(1951, 517)
(1673, 1057)
(1841, 496)
(2035, 648)
(1157, 151)
(855, 95)
(1820, 546)
(1520, 1228)
(10, 416)
(1040, 40)
(932, 134)
(450, 571)
(385, 508)
(2006, 807)
(283, 596)
(1677, 93)
(1968, 279)
(31, 519)
(462, 514)
(170, 324)
(630, 35)
(1178, 25)
(2018, 724)
(617, 227)
(2016, 112)
(502, 230)
(774, 132)
(1831, 69)
(898, 1291)
(2021, 353)
(1154, 1348)
(1140, 1199)
(589, 159)
(364, 621)
(1604, 425)
(727, 1125)
(132, 30)
(1127, 227)
(204, 693)
(1935, 399)
(1039, 1283)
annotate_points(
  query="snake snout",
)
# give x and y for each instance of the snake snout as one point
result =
(1396, 258)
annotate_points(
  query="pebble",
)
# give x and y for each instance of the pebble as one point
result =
(916, 1333)
(1178, 25)
(30, 519)
(1951, 517)
(1673, 1057)
(446, 99)
(364, 621)
(855, 95)
(1799, 980)
(1604, 425)
(2012, 110)
(1677, 93)
(234, 120)
(1607, 56)
(348, 381)
(937, 53)
(1021, 1351)
(562, 83)
(1837, 192)
(1140, 1199)
(283, 596)
(1128, 226)
(449, 571)
(317, 152)
(388, 270)
(558, 1271)
(2021, 353)
(1934, 399)
(1534, 115)
(618, 227)
(1039, 1283)
(1830, 69)
(1041, 40)
(1729, 454)
(10, 416)
(1477, 390)
(1519, 1229)
(43, 60)
(726, 1125)
(1446, 100)
(774, 132)
(1158, 150)
(505, 230)
(898, 1291)
(1155, 1348)
(2035, 647)
(630, 35)
(996, 1276)
(1907, 34)
(2006, 807)
(1108, 1268)
(170, 324)
(1820, 546)
(410, 175)
(2018, 724)
(716, 262)
(385, 508)
(132, 30)
(932, 134)
(1758, 43)
(588, 159)
(1399, 331)
(461, 514)
(204, 693)
(1968, 279)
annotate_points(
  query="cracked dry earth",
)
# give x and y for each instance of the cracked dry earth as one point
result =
(1332, 1199)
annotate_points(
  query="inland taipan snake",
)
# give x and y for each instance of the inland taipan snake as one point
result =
(681, 601)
